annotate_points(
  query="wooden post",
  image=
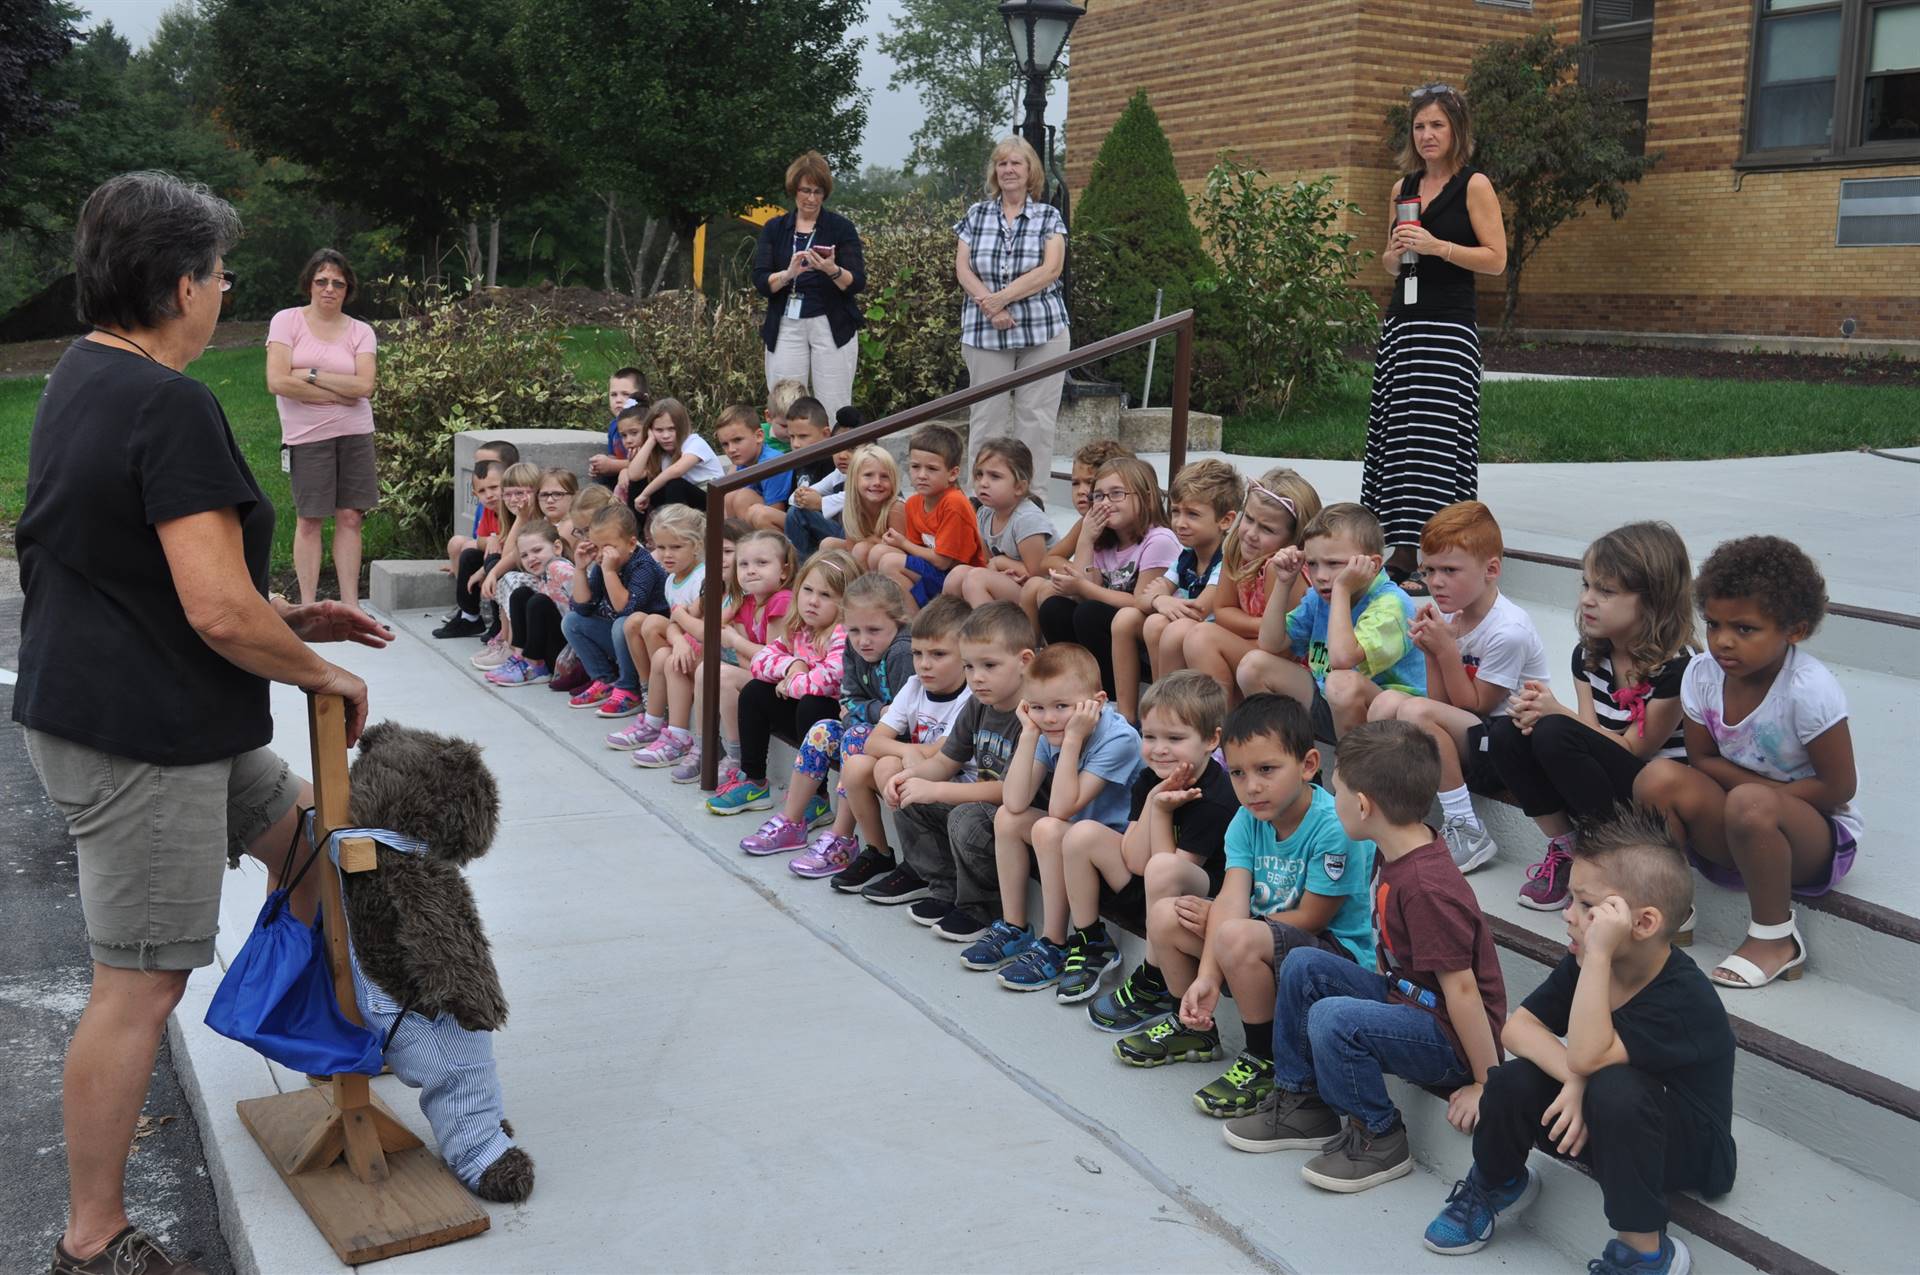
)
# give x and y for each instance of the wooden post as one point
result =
(372, 1187)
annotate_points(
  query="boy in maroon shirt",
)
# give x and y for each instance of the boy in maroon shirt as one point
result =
(1431, 1014)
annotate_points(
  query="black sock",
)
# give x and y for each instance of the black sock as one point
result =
(1095, 933)
(1260, 1040)
(1151, 976)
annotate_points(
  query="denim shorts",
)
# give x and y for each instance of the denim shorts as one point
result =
(153, 840)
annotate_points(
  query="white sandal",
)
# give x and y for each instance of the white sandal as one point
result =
(1683, 937)
(1747, 975)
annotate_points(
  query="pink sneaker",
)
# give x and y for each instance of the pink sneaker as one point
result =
(642, 732)
(669, 748)
(495, 653)
(825, 857)
(776, 835)
(621, 704)
(590, 695)
(1548, 882)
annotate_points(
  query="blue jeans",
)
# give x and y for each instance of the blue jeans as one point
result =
(1335, 1032)
(596, 640)
(808, 527)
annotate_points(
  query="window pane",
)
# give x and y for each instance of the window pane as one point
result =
(1786, 6)
(1896, 39)
(1614, 13)
(1800, 48)
(1892, 109)
(1627, 63)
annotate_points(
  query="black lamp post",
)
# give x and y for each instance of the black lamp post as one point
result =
(1038, 30)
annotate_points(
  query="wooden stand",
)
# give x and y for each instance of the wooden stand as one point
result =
(372, 1187)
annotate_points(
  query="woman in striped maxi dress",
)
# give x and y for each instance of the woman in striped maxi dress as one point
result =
(1423, 424)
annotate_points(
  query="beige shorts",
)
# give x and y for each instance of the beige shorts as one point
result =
(334, 473)
(153, 840)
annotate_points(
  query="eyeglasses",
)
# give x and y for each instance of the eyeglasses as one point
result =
(227, 278)
(1107, 497)
(810, 190)
(1433, 90)
(1255, 489)
(520, 492)
(553, 495)
(330, 285)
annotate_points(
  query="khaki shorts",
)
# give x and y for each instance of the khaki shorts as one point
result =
(334, 473)
(153, 840)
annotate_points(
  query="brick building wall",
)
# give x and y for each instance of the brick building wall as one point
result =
(1301, 89)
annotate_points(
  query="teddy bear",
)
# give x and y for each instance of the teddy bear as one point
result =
(423, 971)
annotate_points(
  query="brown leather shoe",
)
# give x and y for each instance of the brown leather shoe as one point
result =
(132, 1252)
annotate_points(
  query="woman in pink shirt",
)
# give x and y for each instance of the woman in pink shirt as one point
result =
(320, 368)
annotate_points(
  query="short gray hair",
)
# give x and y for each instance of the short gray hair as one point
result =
(138, 234)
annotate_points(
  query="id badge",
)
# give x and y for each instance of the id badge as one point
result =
(286, 460)
(1412, 293)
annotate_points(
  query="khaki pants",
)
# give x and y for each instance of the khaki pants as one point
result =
(1028, 413)
(805, 351)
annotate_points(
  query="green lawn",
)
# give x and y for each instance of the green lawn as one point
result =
(1642, 419)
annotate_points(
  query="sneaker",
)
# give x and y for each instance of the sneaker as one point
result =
(131, 1250)
(640, 733)
(1132, 1005)
(495, 653)
(819, 813)
(519, 672)
(1169, 1041)
(739, 796)
(1470, 847)
(827, 855)
(669, 748)
(1087, 963)
(590, 695)
(621, 703)
(1001, 945)
(1283, 1121)
(688, 771)
(960, 926)
(1467, 1222)
(867, 867)
(902, 885)
(1037, 967)
(1239, 1090)
(1549, 882)
(1617, 1259)
(1356, 1159)
(458, 626)
(929, 911)
(776, 835)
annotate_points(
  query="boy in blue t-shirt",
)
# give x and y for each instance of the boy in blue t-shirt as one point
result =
(1350, 638)
(1294, 880)
(738, 432)
(1077, 758)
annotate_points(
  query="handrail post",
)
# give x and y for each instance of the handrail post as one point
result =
(713, 599)
(1182, 383)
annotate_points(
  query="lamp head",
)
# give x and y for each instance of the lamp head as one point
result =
(1038, 31)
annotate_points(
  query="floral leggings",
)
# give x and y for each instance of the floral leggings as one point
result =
(826, 743)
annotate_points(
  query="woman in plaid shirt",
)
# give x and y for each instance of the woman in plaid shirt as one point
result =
(1011, 251)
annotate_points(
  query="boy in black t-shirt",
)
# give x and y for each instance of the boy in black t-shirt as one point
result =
(1642, 1093)
(1175, 846)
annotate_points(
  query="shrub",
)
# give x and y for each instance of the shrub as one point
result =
(1287, 276)
(449, 365)
(705, 353)
(910, 347)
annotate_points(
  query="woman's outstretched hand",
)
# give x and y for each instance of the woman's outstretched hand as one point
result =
(336, 622)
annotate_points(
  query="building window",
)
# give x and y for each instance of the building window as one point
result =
(1619, 36)
(1834, 80)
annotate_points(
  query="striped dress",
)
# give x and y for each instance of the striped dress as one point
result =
(1423, 421)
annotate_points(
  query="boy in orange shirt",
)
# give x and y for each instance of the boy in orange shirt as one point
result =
(942, 532)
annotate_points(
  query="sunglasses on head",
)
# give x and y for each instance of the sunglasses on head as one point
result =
(1432, 90)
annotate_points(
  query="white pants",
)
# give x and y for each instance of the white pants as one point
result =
(1027, 413)
(805, 352)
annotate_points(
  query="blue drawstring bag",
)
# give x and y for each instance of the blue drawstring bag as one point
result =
(277, 996)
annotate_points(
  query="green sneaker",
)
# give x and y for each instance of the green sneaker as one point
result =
(739, 797)
(1239, 1091)
(819, 813)
(1168, 1041)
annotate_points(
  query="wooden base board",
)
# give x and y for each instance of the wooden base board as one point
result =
(420, 1205)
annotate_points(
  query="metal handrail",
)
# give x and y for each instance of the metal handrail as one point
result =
(713, 589)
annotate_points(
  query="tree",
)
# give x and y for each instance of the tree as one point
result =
(34, 36)
(695, 107)
(955, 53)
(1132, 231)
(407, 109)
(1550, 144)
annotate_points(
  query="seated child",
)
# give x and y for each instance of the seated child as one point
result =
(1480, 648)
(576, 529)
(1202, 500)
(1277, 510)
(1636, 635)
(1766, 800)
(807, 424)
(1015, 531)
(1182, 804)
(1432, 1013)
(625, 388)
(614, 578)
(678, 535)
(1089, 755)
(738, 432)
(553, 496)
(1294, 881)
(873, 506)
(813, 510)
(795, 681)
(1641, 1088)
(780, 397)
(944, 805)
(503, 576)
(535, 609)
(671, 464)
(1124, 546)
(1350, 638)
(1086, 464)
(880, 663)
(680, 664)
(941, 532)
(472, 556)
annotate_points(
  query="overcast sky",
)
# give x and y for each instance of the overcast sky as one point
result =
(891, 116)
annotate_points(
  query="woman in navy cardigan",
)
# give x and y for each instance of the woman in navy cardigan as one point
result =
(809, 266)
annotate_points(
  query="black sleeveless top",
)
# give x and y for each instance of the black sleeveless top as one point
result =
(1446, 291)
